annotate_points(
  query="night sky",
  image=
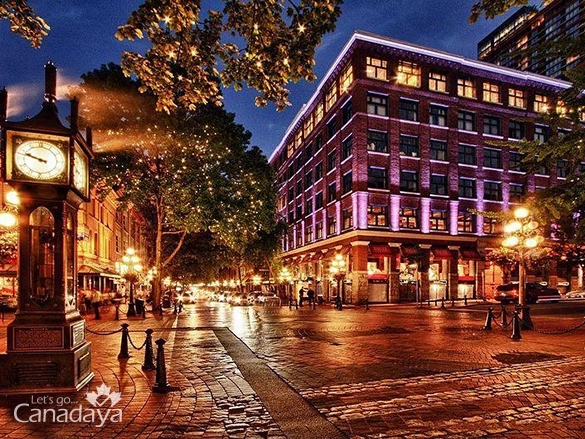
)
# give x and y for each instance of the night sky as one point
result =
(82, 39)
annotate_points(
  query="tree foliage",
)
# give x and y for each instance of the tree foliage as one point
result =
(262, 43)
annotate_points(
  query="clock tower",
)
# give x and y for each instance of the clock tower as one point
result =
(47, 163)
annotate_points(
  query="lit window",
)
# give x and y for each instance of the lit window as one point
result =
(438, 220)
(331, 225)
(409, 218)
(465, 88)
(516, 98)
(465, 222)
(308, 234)
(540, 103)
(408, 74)
(346, 78)
(438, 82)
(377, 215)
(561, 109)
(491, 226)
(491, 93)
(347, 217)
(309, 124)
(318, 113)
(376, 68)
(331, 97)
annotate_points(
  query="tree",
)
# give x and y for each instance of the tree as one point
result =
(186, 172)
(263, 43)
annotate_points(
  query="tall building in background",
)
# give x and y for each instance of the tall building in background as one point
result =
(385, 164)
(529, 27)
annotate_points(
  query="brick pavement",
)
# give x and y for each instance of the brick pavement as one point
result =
(391, 372)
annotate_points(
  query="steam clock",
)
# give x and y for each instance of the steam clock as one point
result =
(47, 163)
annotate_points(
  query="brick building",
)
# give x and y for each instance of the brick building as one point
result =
(384, 162)
(529, 27)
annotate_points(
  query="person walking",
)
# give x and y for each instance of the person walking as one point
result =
(96, 301)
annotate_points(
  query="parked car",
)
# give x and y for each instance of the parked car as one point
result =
(508, 293)
(575, 294)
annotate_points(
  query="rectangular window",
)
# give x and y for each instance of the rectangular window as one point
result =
(331, 128)
(346, 112)
(465, 222)
(377, 141)
(309, 124)
(491, 226)
(347, 218)
(376, 68)
(438, 220)
(562, 168)
(318, 171)
(318, 142)
(516, 161)
(540, 103)
(517, 192)
(492, 158)
(346, 78)
(308, 207)
(408, 110)
(331, 161)
(409, 181)
(438, 150)
(541, 133)
(299, 187)
(438, 82)
(466, 121)
(291, 217)
(299, 212)
(319, 230)
(299, 162)
(492, 190)
(308, 152)
(409, 146)
(467, 188)
(465, 88)
(409, 218)
(516, 130)
(438, 115)
(346, 148)
(346, 183)
(291, 194)
(408, 74)
(308, 179)
(331, 97)
(299, 235)
(318, 113)
(466, 155)
(377, 178)
(319, 200)
(377, 104)
(492, 125)
(331, 225)
(516, 98)
(377, 215)
(331, 193)
(308, 234)
(491, 93)
(438, 184)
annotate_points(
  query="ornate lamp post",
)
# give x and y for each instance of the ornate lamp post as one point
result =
(522, 235)
(130, 268)
(338, 271)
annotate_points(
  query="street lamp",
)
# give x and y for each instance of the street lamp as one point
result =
(130, 268)
(337, 271)
(522, 235)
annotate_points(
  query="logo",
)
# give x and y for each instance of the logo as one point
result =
(58, 409)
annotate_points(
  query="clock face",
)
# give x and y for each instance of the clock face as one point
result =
(39, 159)
(80, 171)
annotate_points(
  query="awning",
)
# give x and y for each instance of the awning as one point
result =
(410, 251)
(92, 270)
(470, 254)
(441, 253)
(379, 250)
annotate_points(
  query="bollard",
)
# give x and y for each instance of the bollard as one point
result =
(117, 315)
(161, 309)
(504, 316)
(314, 305)
(516, 327)
(290, 303)
(526, 319)
(148, 352)
(465, 299)
(144, 310)
(452, 301)
(367, 303)
(161, 386)
(124, 344)
(442, 303)
(436, 303)
(488, 320)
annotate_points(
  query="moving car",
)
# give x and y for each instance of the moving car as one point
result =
(535, 292)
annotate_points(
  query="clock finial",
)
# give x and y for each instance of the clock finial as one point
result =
(50, 82)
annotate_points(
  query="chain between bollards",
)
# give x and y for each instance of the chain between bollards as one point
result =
(148, 352)
(161, 386)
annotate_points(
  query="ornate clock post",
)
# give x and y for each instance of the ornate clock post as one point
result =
(48, 165)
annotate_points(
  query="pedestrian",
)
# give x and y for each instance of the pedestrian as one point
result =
(301, 294)
(96, 301)
(87, 300)
(311, 297)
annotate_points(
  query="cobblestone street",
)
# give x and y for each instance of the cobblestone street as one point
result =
(390, 372)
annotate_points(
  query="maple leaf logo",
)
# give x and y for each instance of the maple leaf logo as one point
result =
(96, 399)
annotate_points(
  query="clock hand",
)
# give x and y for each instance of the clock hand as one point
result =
(35, 157)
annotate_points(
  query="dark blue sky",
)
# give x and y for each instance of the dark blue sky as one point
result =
(82, 38)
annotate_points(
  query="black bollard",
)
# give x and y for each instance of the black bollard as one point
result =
(124, 344)
(526, 319)
(488, 320)
(162, 385)
(367, 303)
(504, 316)
(465, 299)
(148, 352)
(144, 310)
(516, 327)
(160, 310)
(452, 301)
(442, 303)
(117, 315)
